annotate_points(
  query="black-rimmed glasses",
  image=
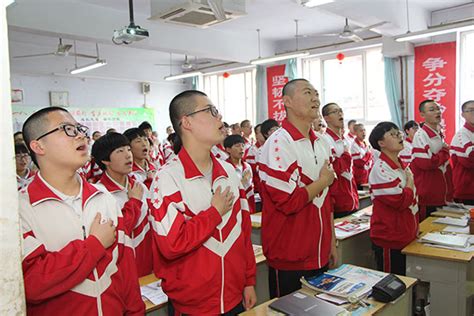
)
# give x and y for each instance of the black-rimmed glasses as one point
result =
(211, 108)
(69, 129)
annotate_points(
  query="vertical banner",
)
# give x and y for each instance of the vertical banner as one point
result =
(435, 79)
(275, 81)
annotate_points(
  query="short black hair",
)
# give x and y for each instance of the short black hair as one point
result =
(421, 107)
(267, 125)
(133, 133)
(21, 149)
(105, 145)
(325, 109)
(171, 137)
(35, 125)
(379, 131)
(244, 122)
(95, 132)
(257, 126)
(351, 122)
(356, 126)
(226, 125)
(145, 125)
(111, 130)
(409, 125)
(17, 133)
(289, 87)
(231, 140)
(465, 104)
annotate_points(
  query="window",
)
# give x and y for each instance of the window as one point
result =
(234, 95)
(466, 75)
(357, 84)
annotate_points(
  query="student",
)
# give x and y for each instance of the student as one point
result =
(22, 159)
(351, 126)
(18, 138)
(156, 156)
(142, 169)
(252, 157)
(235, 147)
(114, 157)
(462, 151)
(75, 257)
(269, 127)
(96, 135)
(394, 221)
(168, 152)
(297, 224)
(361, 156)
(246, 128)
(410, 128)
(343, 191)
(202, 247)
(218, 150)
(430, 162)
(235, 129)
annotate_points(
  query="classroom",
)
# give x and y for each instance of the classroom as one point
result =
(237, 157)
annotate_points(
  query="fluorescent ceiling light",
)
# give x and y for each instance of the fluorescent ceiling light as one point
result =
(315, 3)
(343, 50)
(229, 70)
(267, 60)
(183, 75)
(437, 30)
(98, 63)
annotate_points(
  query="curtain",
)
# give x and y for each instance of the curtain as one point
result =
(195, 83)
(261, 94)
(392, 90)
(290, 69)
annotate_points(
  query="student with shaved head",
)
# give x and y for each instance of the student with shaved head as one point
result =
(75, 256)
(297, 224)
(202, 248)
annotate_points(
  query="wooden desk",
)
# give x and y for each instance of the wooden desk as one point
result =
(357, 249)
(401, 306)
(449, 272)
(446, 213)
(150, 308)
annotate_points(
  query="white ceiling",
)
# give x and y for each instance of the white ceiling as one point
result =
(36, 25)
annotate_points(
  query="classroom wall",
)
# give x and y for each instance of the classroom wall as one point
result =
(91, 92)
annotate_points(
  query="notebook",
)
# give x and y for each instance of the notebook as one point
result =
(462, 222)
(301, 304)
(446, 240)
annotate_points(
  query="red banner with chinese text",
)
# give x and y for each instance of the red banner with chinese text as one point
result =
(435, 79)
(276, 80)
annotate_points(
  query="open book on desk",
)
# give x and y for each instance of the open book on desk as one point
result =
(301, 304)
(446, 240)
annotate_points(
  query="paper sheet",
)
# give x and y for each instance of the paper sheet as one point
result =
(154, 293)
(256, 218)
(462, 222)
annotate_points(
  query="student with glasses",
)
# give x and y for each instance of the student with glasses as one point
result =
(75, 259)
(430, 161)
(462, 153)
(24, 175)
(200, 217)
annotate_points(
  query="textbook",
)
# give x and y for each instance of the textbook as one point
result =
(334, 285)
(299, 303)
(462, 222)
(446, 240)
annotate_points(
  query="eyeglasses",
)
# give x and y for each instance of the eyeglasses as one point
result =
(340, 111)
(398, 134)
(70, 130)
(211, 108)
(22, 156)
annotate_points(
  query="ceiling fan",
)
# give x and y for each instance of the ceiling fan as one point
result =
(187, 64)
(62, 51)
(348, 33)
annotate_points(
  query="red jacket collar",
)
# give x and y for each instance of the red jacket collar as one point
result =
(333, 134)
(39, 192)
(391, 163)
(431, 133)
(408, 139)
(351, 135)
(469, 127)
(361, 144)
(136, 167)
(295, 133)
(244, 165)
(191, 170)
(111, 185)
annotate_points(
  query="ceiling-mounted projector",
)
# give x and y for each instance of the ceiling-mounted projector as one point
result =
(129, 34)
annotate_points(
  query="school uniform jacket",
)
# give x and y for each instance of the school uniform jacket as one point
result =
(252, 160)
(296, 234)
(91, 171)
(168, 152)
(431, 168)
(394, 221)
(136, 219)
(248, 186)
(362, 161)
(343, 190)
(140, 174)
(205, 260)
(462, 153)
(22, 182)
(219, 151)
(406, 153)
(65, 269)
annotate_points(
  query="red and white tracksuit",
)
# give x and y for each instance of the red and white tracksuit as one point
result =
(205, 260)
(219, 151)
(244, 170)
(343, 191)
(156, 155)
(22, 182)
(462, 154)
(362, 161)
(136, 219)
(91, 171)
(406, 153)
(296, 234)
(394, 221)
(65, 269)
(168, 152)
(252, 160)
(431, 168)
(140, 174)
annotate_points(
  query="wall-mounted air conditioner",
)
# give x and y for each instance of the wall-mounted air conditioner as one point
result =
(197, 13)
